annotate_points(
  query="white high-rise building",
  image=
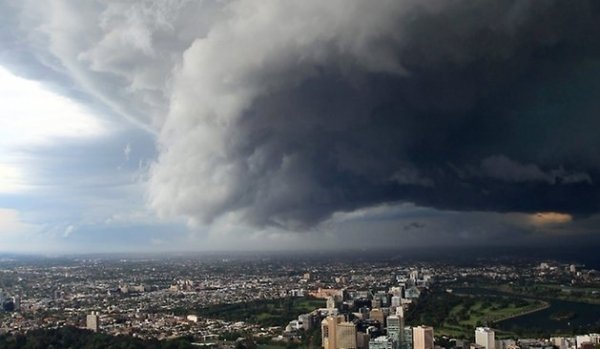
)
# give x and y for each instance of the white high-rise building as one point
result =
(414, 275)
(93, 322)
(407, 338)
(485, 337)
(396, 291)
(330, 303)
(393, 327)
(402, 343)
(559, 342)
(406, 342)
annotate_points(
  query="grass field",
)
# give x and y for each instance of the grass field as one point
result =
(272, 312)
(457, 315)
(569, 293)
(466, 317)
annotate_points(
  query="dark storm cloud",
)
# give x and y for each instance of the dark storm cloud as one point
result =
(510, 89)
(505, 169)
(495, 108)
(281, 114)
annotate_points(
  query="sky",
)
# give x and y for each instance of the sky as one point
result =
(149, 126)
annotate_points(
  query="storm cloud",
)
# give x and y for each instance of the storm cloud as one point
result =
(284, 113)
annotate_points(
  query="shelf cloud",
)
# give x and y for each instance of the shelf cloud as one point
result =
(283, 113)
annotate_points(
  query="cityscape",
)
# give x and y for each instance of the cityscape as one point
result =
(307, 301)
(300, 174)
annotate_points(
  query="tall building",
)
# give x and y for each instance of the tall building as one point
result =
(362, 340)
(485, 337)
(337, 334)
(17, 302)
(346, 336)
(407, 339)
(328, 331)
(393, 327)
(414, 276)
(559, 342)
(395, 330)
(423, 337)
(396, 291)
(93, 322)
(376, 303)
(377, 314)
(400, 311)
(330, 303)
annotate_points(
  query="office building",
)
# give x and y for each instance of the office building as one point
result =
(407, 339)
(337, 334)
(393, 327)
(346, 336)
(423, 337)
(485, 337)
(377, 314)
(330, 303)
(396, 291)
(93, 322)
(376, 303)
(362, 340)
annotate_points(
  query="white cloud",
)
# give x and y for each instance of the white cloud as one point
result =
(122, 53)
(69, 230)
(31, 116)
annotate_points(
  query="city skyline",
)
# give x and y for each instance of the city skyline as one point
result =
(301, 301)
(238, 125)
